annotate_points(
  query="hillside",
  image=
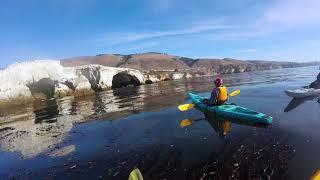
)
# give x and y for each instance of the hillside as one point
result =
(143, 62)
(105, 60)
(163, 62)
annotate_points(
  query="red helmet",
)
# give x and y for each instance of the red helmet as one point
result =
(218, 82)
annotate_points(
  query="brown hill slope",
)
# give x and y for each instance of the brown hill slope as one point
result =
(164, 62)
(144, 62)
(154, 61)
(105, 60)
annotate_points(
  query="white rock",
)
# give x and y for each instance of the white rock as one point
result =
(82, 83)
(62, 89)
(154, 78)
(188, 75)
(177, 76)
(107, 76)
(14, 79)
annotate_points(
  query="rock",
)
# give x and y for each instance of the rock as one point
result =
(124, 79)
(62, 90)
(82, 84)
(188, 75)
(108, 73)
(177, 76)
(92, 73)
(165, 77)
(153, 78)
(148, 81)
(15, 78)
(44, 86)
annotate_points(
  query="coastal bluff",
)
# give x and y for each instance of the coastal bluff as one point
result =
(81, 76)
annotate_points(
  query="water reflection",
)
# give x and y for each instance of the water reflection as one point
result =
(41, 127)
(47, 112)
(223, 126)
(294, 103)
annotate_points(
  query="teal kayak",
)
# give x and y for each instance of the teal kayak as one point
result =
(230, 111)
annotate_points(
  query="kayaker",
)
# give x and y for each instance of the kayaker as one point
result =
(219, 94)
(315, 84)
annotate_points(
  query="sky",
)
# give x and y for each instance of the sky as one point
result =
(244, 29)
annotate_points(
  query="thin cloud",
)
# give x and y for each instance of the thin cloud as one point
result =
(127, 37)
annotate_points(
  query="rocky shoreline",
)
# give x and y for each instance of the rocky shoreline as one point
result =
(38, 80)
(46, 79)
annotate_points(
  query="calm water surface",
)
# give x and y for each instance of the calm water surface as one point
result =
(105, 136)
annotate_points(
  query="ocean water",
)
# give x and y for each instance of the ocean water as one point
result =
(107, 135)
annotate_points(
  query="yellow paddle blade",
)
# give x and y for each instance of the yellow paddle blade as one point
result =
(185, 107)
(316, 175)
(234, 93)
(135, 175)
(186, 122)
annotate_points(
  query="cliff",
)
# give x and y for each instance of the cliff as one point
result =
(46, 79)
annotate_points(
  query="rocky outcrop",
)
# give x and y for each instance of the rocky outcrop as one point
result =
(93, 75)
(44, 87)
(25, 82)
(123, 79)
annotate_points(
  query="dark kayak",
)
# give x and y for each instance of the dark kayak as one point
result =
(230, 111)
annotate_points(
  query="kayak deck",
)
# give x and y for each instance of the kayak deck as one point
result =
(230, 111)
(301, 93)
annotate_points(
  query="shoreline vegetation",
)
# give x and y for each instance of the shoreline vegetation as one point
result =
(26, 82)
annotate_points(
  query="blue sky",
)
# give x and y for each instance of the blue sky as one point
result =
(244, 29)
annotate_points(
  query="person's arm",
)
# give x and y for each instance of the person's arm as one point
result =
(214, 97)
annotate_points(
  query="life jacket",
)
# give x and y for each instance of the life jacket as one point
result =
(223, 94)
